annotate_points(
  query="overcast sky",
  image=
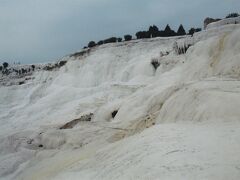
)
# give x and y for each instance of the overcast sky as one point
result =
(34, 31)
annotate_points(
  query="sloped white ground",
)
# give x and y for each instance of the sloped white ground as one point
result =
(234, 20)
(168, 151)
(179, 122)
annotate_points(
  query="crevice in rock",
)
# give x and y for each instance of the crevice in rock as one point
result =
(71, 124)
(114, 113)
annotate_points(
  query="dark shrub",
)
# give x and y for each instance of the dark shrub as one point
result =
(119, 39)
(91, 44)
(128, 37)
(155, 63)
(153, 31)
(142, 34)
(20, 83)
(193, 30)
(198, 29)
(139, 35)
(33, 67)
(48, 68)
(24, 71)
(5, 65)
(110, 40)
(181, 31)
(146, 34)
(5, 72)
(160, 34)
(232, 15)
(1, 68)
(62, 63)
(100, 43)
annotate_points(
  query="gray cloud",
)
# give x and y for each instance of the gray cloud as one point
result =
(43, 30)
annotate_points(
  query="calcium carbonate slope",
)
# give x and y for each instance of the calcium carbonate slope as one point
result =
(180, 121)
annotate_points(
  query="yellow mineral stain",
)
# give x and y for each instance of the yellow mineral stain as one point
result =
(59, 164)
(218, 51)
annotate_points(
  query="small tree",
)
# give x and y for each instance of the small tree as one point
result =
(128, 37)
(168, 32)
(153, 31)
(5, 65)
(139, 35)
(161, 34)
(1, 68)
(232, 15)
(181, 31)
(91, 44)
(167, 28)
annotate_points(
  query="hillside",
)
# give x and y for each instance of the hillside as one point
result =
(110, 113)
